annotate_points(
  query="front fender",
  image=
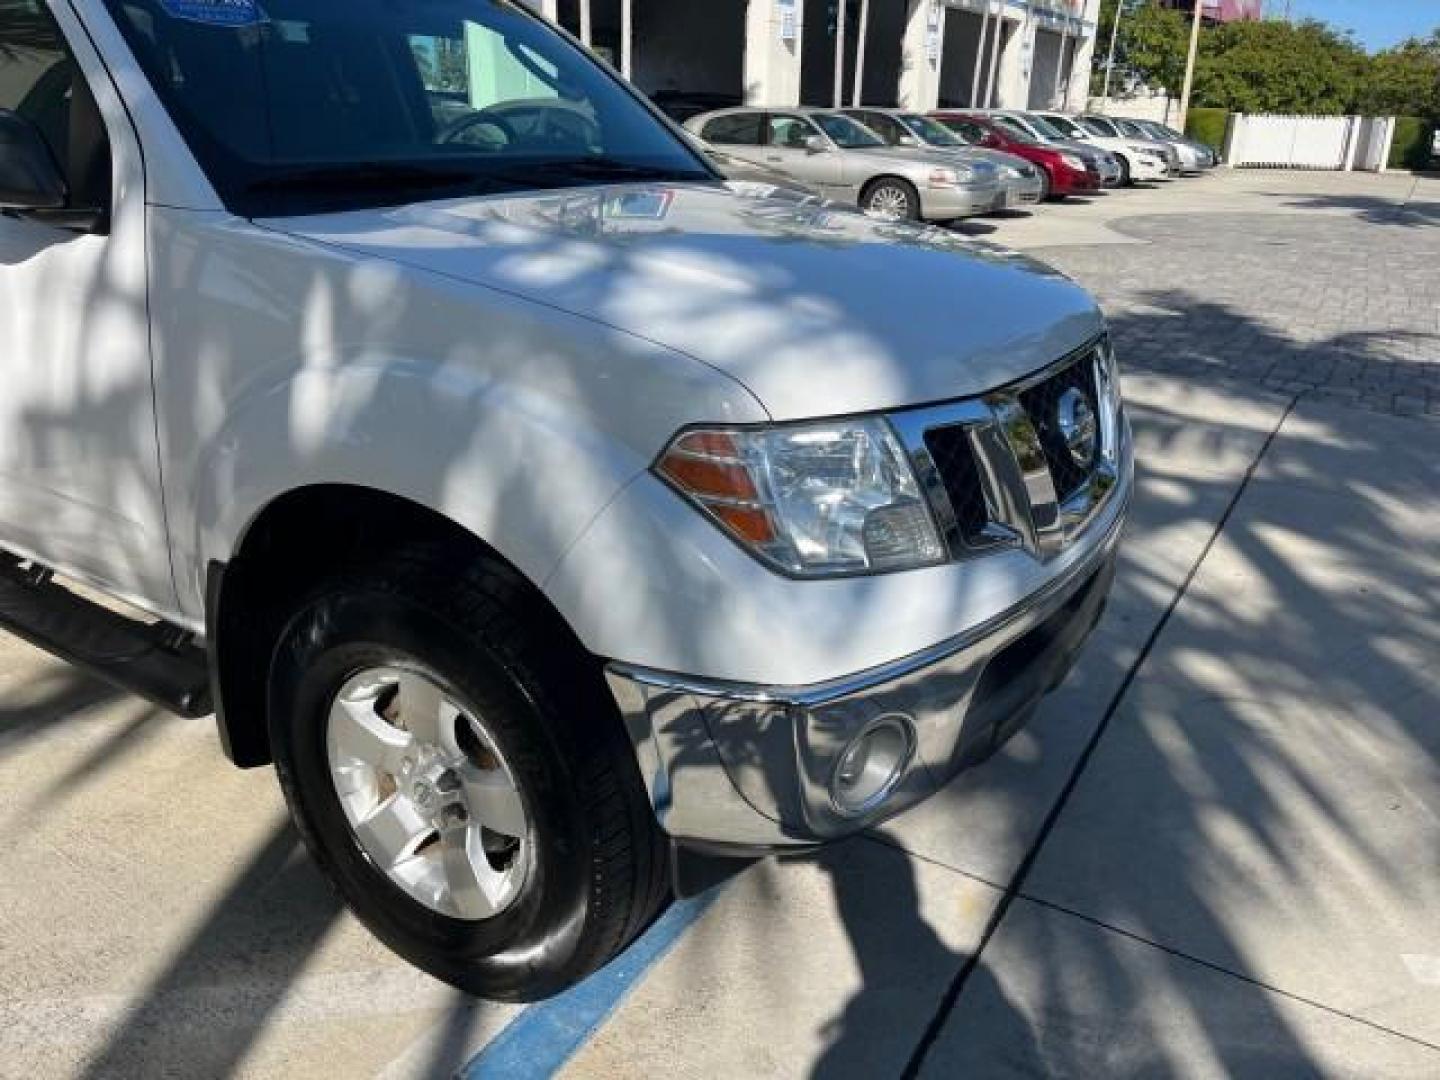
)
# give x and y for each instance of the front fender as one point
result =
(283, 363)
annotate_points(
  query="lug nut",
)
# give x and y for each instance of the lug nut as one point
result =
(449, 781)
(455, 814)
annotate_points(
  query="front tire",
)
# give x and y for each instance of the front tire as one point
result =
(1126, 178)
(892, 199)
(455, 765)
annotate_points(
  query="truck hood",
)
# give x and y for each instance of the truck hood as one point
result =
(817, 310)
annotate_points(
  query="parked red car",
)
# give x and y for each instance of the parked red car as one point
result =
(1066, 173)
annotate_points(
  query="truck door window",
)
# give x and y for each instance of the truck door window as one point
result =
(40, 80)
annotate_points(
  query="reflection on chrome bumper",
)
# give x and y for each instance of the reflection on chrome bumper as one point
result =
(747, 767)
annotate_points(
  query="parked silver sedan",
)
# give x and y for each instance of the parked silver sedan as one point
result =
(1021, 182)
(845, 161)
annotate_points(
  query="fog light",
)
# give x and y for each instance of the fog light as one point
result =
(871, 765)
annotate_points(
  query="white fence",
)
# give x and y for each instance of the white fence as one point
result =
(1308, 142)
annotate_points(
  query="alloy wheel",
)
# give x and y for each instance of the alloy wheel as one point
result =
(427, 795)
(889, 201)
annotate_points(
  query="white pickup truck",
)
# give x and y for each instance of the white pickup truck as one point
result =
(420, 402)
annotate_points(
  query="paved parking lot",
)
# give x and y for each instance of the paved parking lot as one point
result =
(1216, 852)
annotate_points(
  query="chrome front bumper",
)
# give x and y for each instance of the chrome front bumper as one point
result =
(960, 200)
(742, 768)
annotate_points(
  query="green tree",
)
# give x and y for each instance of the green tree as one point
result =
(1128, 9)
(1280, 67)
(1157, 41)
(1405, 80)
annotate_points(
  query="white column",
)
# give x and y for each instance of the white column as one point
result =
(585, 23)
(549, 8)
(841, 10)
(1057, 96)
(920, 55)
(772, 62)
(1079, 90)
(627, 37)
(987, 99)
(975, 98)
(864, 32)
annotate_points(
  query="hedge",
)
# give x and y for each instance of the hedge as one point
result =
(1411, 148)
(1208, 126)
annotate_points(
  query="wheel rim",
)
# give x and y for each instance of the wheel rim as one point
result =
(889, 201)
(427, 794)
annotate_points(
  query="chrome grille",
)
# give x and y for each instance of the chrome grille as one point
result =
(1000, 471)
(954, 457)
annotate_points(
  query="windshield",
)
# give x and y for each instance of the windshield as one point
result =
(931, 132)
(846, 133)
(1098, 128)
(311, 104)
(1045, 127)
(1067, 128)
(1014, 129)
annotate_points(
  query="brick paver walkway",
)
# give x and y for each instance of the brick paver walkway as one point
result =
(1346, 307)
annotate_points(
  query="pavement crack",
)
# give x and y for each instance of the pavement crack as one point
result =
(1016, 886)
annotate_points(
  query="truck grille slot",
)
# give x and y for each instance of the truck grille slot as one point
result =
(1042, 403)
(954, 456)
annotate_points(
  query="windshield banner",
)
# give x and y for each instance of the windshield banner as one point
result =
(215, 12)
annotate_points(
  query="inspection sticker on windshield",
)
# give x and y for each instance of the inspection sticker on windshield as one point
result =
(215, 12)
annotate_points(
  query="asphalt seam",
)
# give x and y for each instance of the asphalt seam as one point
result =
(1223, 970)
(1017, 883)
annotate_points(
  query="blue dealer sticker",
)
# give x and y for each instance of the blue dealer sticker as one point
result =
(215, 12)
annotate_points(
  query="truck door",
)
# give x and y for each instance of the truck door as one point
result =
(79, 470)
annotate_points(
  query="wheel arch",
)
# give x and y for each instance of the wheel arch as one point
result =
(894, 178)
(293, 540)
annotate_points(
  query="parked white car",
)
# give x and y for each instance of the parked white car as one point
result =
(545, 511)
(1144, 160)
(846, 161)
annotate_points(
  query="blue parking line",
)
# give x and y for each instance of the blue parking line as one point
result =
(544, 1037)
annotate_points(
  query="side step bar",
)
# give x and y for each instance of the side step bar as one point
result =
(152, 659)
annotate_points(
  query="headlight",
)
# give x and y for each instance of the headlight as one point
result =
(1075, 161)
(1009, 172)
(951, 177)
(1149, 151)
(813, 500)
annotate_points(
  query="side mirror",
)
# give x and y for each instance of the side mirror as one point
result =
(814, 144)
(29, 177)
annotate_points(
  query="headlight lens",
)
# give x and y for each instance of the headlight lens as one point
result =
(814, 500)
(951, 177)
(1075, 161)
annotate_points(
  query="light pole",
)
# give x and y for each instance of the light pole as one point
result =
(1190, 66)
(1110, 60)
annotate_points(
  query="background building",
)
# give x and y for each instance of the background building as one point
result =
(1220, 11)
(915, 53)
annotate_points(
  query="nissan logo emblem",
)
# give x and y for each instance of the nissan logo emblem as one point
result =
(1076, 420)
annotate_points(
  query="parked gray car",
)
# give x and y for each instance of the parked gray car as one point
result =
(1021, 182)
(1195, 157)
(845, 161)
